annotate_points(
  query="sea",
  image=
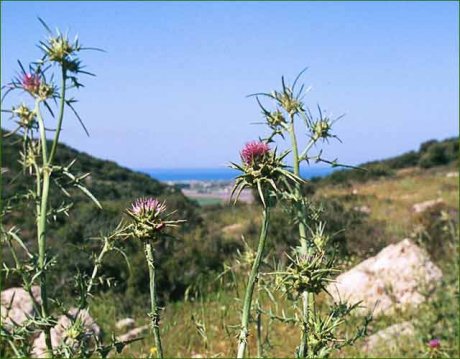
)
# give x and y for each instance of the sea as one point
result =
(217, 174)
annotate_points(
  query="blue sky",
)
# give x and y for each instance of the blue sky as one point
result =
(171, 89)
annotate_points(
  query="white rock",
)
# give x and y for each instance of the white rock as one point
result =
(390, 336)
(363, 209)
(395, 277)
(423, 206)
(126, 323)
(59, 333)
(452, 174)
(133, 333)
(17, 305)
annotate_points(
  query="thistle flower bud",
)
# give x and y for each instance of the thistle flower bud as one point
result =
(322, 129)
(434, 343)
(59, 48)
(275, 119)
(31, 83)
(45, 91)
(254, 152)
(25, 115)
(287, 101)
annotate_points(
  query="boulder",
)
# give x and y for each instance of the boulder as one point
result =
(126, 323)
(133, 333)
(17, 305)
(363, 209)
(423, 206)
(389, 336)
(397, 276)
(64, 331)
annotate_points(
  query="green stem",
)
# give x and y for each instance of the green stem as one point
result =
(61, 116)
(97, 265)
(47, 163)
(41, 229)
(244, 333)
(154, 314)
(307, 298)
(259, 331)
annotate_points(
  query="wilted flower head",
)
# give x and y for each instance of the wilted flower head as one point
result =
(434, 343)
(31, 82)
(254, 151)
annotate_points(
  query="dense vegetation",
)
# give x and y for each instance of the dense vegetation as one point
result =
(430, 154)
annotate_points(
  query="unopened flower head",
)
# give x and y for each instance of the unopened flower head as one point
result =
(25, 115)
(322, 129)
(287, 101)
(275, 119)
(254, 151)
(434, 343)
(59, 48)
(31, 83)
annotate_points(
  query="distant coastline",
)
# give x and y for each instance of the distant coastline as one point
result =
(210, 186)
(225, 174)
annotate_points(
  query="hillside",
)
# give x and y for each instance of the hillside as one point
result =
(116, 188)
(373, 214)
(364, 212)
(430, 154)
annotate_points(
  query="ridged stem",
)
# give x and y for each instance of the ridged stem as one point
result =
(42, 193)
(308, 299)
(154, 310)
(244, 332)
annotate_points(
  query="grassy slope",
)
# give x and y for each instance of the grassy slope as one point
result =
(390, 200)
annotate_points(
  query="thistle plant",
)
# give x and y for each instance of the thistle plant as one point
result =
(59, 62)
(264, 171)
(150, 220)
(311, 267)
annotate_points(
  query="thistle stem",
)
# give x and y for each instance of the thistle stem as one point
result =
(97, 265)
(42, 194)
(61, 116)
(244, 333)
(47, 163)
(307, 298)
(154, 314)
(259, 331)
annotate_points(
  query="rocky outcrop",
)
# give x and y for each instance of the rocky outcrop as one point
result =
(395, 277)
(68, 327)
(17, 305)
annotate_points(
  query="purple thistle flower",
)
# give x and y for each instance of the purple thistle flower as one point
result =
(147, 206)
(30, 82)
(434, 343)
(253, 151)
